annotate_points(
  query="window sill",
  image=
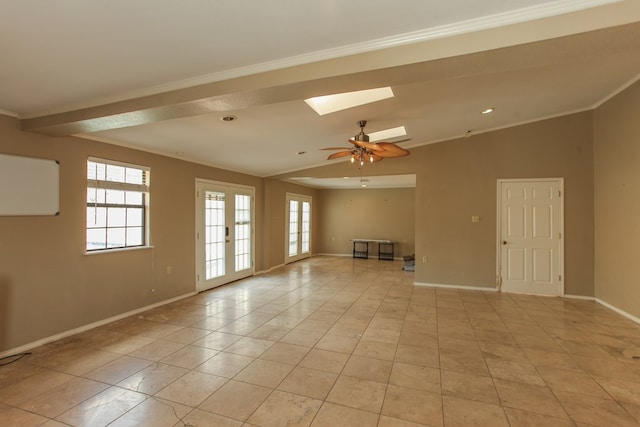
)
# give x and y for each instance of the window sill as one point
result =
(110, 251)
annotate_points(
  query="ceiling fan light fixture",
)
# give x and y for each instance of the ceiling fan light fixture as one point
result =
(341, 101)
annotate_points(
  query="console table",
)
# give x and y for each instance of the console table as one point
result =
(361, 248)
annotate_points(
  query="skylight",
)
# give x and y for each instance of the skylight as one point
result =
(387, 134)
(341, 101)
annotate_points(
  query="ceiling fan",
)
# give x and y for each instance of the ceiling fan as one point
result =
(365, 151)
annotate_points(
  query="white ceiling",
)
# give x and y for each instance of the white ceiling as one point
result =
(95, 69)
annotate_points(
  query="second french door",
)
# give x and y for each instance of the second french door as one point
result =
(298, 232)
(224, 233)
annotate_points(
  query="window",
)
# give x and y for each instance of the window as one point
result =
(117, 205)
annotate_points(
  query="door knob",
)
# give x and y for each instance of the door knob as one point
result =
(504, 242)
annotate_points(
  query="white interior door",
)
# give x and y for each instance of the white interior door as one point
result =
(224, 233)
(530, 236)
(298, 233)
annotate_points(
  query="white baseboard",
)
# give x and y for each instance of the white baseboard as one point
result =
(47, 340)
(462, 287)
(580, 297)
(619, 311)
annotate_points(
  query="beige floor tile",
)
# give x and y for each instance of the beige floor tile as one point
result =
(153, 412)
(357, 393)
(339, 343)
(117, 370)
(187, 335)
(331, 415)
(520, 371)
(285, 409)
(595, 411)
(153, 378)
(457, 355)
(386, 421)
(236, 400)
(551, 359)
(367, 368)
(302, 337)
(468, 386)
(322, 328)
(157, 350)
(470, 413)
(621, 390)
(519, 418)
(269, 332)
(531, 398)
(572, 381)
(416, 355)
(218, 340)
(308, 382)
(189, 357)
(32, 386)
(375, 349)
(191, 388)
(264, 373)
(10, 416)
(103, 408)
(323, 360)
(64, 397)
(197, 418)
(239, 327)
(418, 339)
(413, 405)
(225, 364)
(285, 353)
(417, 377)
(248, 346)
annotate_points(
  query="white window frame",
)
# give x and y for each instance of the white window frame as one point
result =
(143, 188)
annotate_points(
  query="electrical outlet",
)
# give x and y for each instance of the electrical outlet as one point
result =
(169, 269)
(425, 259)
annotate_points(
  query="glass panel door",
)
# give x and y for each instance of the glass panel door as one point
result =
(298, 235)
(224, 233)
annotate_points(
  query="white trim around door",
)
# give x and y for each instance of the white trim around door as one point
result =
(225, 233)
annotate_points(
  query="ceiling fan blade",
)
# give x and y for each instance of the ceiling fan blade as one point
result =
(389, 149)
(334, 148)
(339, 154)
(364, 144)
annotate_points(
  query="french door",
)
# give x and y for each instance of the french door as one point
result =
(530, 250)
(298, 231)
(224, 233)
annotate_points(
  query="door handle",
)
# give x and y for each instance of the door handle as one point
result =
(504, 242)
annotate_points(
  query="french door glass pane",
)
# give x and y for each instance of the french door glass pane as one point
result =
(242, 232)
(293, 227)
(214, 234)
(306, 227)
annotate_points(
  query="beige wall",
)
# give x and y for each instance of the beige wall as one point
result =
(457, 179)
(49, 286)
(385, 214)
(617, 201)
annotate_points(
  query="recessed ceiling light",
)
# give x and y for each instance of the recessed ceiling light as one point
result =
(341, 101)
(488, 110)
(387, 134)
(228, 118)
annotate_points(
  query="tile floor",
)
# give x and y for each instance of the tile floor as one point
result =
(337, 342)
